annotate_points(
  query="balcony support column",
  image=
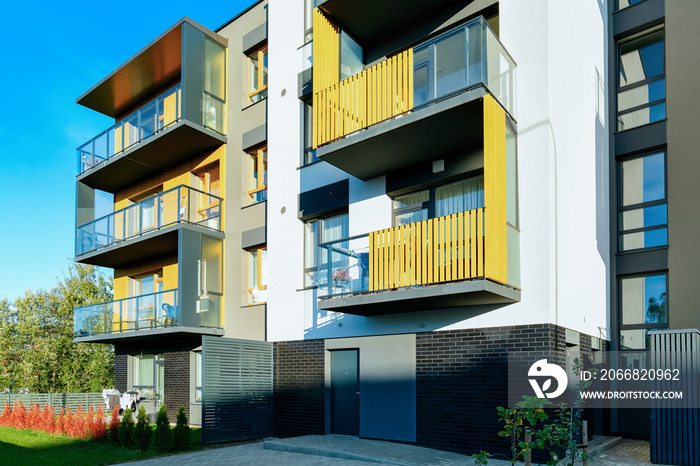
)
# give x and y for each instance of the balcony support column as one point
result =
(496, 247)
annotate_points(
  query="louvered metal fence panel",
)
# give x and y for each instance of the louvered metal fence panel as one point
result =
(236, 389)
(57, 400)
(675, 423)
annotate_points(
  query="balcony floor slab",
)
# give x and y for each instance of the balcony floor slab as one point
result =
(422, 298)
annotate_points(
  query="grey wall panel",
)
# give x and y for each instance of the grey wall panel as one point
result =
(387, 384)
(637, 18)
(254, 137)
(682, 103)
(254, 237)
(324, 200)
(192, 73)
(237, 377)
(254, 39)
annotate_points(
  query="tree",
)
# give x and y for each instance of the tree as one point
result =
(36, 337)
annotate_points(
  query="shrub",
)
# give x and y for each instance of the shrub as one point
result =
(68, 422)
(142, 431)
(126, 429)
(98, 428)
(163, 436)
(181, 433)
(48, 421)
(19, 414)
(114, 426)
(77, 423)
(60, 426)
(6, 415)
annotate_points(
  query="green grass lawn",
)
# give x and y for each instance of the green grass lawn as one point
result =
(28, 447)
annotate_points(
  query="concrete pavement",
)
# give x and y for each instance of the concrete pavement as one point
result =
(340, 450)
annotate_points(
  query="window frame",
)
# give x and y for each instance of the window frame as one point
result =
(430, 204)
(258, 258)
(643, 326)
(260, 167)
(318, 241)
(641, 205)
(260, 53)
(308, 155)
(638, 84)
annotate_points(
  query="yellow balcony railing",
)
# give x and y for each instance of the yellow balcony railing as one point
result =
(433, 251)
(376, 94)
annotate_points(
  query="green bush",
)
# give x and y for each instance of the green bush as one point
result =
(142, 431)
(181, 434)
(163, 436)
(126, 429)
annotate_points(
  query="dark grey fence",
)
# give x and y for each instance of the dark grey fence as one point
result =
(236, 389)
(57, 400)
(675, 423)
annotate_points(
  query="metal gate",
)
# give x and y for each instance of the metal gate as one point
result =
(675, 423)
(236, 389)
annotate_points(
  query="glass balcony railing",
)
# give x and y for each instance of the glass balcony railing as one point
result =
(439, 250)
(145, 312)
(463, 58)
(180, 204)
(156, 115)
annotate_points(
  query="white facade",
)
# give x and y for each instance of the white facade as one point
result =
(563, 180)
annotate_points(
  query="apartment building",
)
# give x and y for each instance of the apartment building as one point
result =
(185, 168)
(449, 184)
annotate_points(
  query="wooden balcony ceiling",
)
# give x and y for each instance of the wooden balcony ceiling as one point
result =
(150, 69)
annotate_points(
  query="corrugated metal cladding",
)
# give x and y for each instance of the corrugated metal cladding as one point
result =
(236, 389)
(675, 423)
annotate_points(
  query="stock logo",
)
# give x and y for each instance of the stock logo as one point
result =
(543, 369)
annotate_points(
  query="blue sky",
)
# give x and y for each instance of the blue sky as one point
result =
(52, 53)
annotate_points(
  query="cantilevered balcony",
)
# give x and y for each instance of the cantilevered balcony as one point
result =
(148, 228)
(440, 263)
(146, 317)
(169, 103)
(418, 104)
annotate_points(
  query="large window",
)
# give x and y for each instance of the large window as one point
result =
(198, 376)
(257, 80)
(641, 93)
(309, 152)
(642, 308)
(257, 276)
(257, 176)
(439, 67)
(452, 198)
(642, 221)
(214, 85)
(147, 374)
(318, 232)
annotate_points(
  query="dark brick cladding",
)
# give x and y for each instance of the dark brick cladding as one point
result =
(299, 388)
(120, 372)
(462, 376)
(177, 383)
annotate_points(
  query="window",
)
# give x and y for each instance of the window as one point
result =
(452, 198)
(257, 176)
(318, 232)
(642, 216)
(210, 282)
(309, 152)
(257, 87)
(214, 85)
(198, 376)
(257, 275)
(350, 56)
(641, 93)
(147, 374)
(309, 20)
(642, 308)
(208, 208)
(621, 4)
(439, 67)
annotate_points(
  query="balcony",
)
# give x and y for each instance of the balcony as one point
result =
(424, 101)
(148, 228)
(440, 263)
(146, 317)
(133, 148)
(169, 103)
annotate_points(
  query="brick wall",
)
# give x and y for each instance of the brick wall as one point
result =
(120, 372)
(462, 376)
(177, 383)
(299, 388)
